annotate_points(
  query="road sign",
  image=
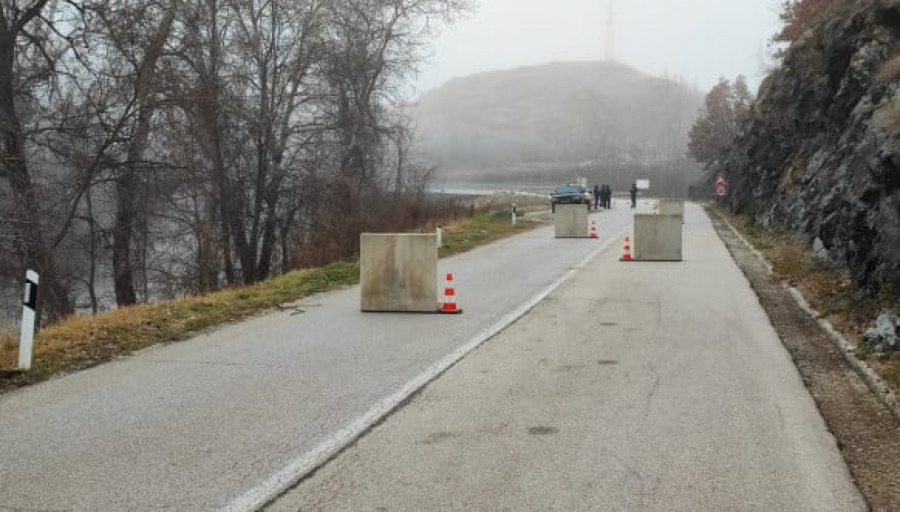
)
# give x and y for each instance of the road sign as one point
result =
(721, 185)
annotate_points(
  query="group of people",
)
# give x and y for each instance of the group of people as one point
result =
(602, 197)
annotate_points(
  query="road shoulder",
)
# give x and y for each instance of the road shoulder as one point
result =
(868, 434)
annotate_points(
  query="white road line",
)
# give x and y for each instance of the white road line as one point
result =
(296, 470)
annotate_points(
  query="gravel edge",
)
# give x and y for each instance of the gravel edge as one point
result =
(874, 381)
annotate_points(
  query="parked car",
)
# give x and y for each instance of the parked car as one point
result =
(570, 194)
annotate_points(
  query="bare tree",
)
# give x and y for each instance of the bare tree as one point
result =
(371, 45)
(727, 106)
(186, 143)
(27, 61)
(135, 55)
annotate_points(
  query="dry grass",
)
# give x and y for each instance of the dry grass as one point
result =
(9, 349)
(83, 341)
(894, 377)
(482, 228)
(504, 201)
(829, 291)
(890, 69)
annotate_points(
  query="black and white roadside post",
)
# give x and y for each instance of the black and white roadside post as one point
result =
(29, 315)
(515, 214)
(440, 235)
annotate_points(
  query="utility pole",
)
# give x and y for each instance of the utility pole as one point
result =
(611, 33)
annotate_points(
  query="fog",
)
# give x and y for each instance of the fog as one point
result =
(698, 40)
(172, 203)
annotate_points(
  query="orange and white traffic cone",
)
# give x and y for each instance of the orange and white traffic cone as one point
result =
(593, 232)
(449, 305)
(626, 255)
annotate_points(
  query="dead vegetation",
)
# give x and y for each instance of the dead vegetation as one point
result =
(890, 69)
(8, 349)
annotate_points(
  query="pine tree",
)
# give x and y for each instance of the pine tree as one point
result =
(716, 125)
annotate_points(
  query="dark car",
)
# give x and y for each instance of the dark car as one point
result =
(570, 194)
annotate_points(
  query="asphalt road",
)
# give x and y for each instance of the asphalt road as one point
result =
(634, 386)
(225, 419)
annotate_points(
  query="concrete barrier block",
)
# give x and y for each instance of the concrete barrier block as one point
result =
(657, 237)
(672, 207)
(571, 221)
(398, 273)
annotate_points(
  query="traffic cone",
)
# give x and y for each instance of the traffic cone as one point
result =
(449, 305)
(593, 232)
(626, 255)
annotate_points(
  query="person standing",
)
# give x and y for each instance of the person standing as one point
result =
(598, 193)
(607, 197)
(634, 191)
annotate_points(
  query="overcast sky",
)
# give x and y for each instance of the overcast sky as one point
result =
(699, 40)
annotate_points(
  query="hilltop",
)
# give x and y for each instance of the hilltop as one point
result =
(548, 119)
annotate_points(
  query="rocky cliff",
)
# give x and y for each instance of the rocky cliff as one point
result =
(821, 153)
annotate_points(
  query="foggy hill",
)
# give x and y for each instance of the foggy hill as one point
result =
(601, 116)
(822, 152)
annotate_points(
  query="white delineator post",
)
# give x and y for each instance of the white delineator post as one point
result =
(439, 232)
(29, 315)
(514, 214)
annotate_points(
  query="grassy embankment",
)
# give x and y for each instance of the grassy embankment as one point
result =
(829, 291)
(83, 341)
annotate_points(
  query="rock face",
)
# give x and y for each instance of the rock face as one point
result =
(821, 153)
(884, 336)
